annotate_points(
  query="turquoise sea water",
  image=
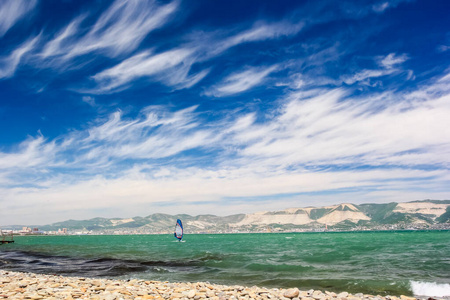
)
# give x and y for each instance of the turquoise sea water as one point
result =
(385, 263)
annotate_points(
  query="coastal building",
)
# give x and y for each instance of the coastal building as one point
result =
(30, 231)
(62, 231)
(25, 230)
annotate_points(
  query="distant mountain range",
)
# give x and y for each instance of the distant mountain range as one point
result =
(346, 216)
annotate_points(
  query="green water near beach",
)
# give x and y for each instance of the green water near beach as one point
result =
(385, 263)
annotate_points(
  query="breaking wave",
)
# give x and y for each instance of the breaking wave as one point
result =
(430, 289)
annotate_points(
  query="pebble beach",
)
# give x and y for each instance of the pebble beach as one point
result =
(16, 285)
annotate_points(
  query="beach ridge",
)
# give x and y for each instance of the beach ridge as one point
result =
(18, 285)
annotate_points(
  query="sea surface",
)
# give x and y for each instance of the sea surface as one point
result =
(384, 263)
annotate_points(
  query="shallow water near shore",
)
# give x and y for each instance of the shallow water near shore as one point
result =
(384, 263)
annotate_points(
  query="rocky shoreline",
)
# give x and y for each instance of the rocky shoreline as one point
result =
(16, 285)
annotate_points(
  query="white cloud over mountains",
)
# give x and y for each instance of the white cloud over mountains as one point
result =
(314, 142)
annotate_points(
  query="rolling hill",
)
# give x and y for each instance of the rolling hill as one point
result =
(345, 216)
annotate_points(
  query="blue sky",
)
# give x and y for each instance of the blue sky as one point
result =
(128, 108)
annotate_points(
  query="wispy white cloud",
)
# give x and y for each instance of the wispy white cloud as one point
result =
(392, 60)
(171, 67)
(11, 11)
(380, 7)
(155, 134)
(34, 152)
(366, 74)
(120, 29)
(389, 65)
(9, 64)
(63, 40)
(259, 32)
(320, 127)
(331, 128)
(443, 48)
(241, 81)
(89, 100)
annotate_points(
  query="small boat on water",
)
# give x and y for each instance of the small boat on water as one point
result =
(178, 230)
(6, 238)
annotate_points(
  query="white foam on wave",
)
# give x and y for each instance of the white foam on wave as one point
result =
(430, 289)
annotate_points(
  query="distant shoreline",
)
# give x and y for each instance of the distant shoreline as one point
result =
(414, 215)
(256, 232)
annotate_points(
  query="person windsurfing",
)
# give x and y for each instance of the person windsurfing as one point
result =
(178, 230)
